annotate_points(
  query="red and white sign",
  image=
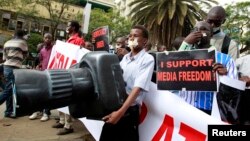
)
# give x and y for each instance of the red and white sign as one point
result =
(167, 117)
(64, 55)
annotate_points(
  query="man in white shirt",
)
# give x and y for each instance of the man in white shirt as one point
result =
(137, 68)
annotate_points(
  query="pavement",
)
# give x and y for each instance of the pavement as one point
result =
(24, 129)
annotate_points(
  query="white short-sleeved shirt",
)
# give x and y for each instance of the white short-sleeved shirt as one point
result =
(137, 72)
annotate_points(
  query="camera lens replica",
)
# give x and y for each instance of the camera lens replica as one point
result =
(92, 88)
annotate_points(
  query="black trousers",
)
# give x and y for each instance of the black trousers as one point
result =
(245, 107)
(126, 128)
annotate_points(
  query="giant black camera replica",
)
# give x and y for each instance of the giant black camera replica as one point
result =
(92, 88)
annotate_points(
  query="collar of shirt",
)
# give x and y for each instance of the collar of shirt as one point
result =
(221, 34)
(47, 46)
(73, 38)
(129, 58)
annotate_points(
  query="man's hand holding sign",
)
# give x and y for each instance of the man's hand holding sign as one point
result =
(220, 69)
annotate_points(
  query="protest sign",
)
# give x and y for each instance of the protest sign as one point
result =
(159, 121)
(165, 116)
(101, 38)
(64, 55)
(186, 70)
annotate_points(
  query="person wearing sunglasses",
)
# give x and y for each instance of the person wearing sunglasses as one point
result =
(223, 43)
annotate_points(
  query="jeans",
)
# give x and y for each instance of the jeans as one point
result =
(7, 92)
(9, 106)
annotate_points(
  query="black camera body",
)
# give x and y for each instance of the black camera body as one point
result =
(92, 88)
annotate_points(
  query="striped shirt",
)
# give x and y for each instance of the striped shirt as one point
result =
(204, 99)
(14, 52)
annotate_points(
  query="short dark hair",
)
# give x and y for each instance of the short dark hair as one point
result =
(19, 33)
(218, 10)
(144, 30)
(75, 24)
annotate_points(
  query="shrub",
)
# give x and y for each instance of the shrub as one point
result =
(33, 41)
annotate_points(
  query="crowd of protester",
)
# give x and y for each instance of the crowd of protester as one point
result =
(138, 65)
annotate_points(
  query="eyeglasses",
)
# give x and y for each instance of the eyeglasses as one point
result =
(217, 23)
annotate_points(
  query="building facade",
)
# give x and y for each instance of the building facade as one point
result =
(38, 19)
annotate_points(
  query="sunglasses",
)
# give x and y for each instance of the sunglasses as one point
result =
(199, 29)
(215, 22)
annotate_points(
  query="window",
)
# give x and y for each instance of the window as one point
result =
(5, 20)
(12, 25)
(26, 26)
(35, 27)
(19, 25)
(5, 23)
(46, 29)
(61, 34)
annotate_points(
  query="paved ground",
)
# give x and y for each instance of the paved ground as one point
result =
(23, 129)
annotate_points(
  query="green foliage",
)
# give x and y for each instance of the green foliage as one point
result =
(56, 12)
(26, 8)
(4, 3)
(33, 41)
(56, 16)
(118, 25)
(167, 19)
(121, 26)
(237, 24)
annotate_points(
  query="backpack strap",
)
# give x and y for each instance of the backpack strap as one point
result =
(225, 44)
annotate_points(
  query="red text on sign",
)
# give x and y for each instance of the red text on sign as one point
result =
(60, 61)
(186, 63)
(100, 44)
(167, 127)
(99, 32)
